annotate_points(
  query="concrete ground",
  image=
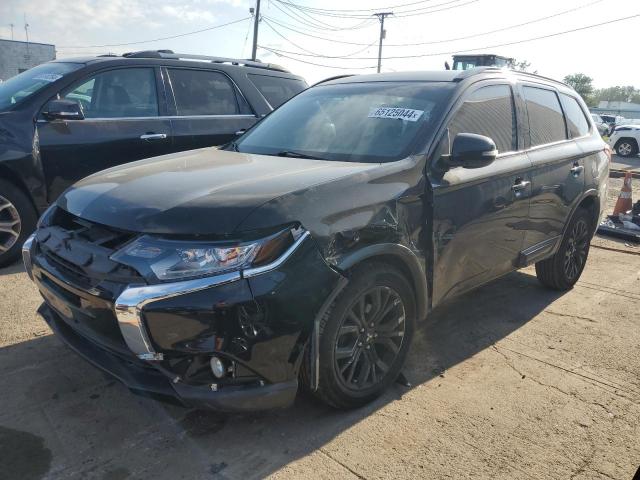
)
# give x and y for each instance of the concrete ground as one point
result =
(509, 381)
(624, 164)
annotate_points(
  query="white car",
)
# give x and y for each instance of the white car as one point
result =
(625, 139)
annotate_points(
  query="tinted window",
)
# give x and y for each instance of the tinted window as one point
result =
(358, 122)
(125, 92)
(576, 121)
(198, 92)
(546, 122)
(488, 111)
(30, 81)
(277, 90)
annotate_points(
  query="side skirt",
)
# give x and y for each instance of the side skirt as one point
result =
(538, 252)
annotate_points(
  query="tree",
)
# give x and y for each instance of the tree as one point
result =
(522, 66)
(583, 84)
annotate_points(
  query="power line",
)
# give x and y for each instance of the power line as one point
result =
(312, 63)
(158, 39)
(405, 13)
(359, 9)
(314, 53)
(541, 37)
(445, 40)
(323, 27)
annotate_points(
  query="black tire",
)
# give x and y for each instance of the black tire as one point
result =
(562, 270)
(627, 147)
(371, 285)
(13, 202)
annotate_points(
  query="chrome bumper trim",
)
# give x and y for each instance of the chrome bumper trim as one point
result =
(129, 305)
(26, 255)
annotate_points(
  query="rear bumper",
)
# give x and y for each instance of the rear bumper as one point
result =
(143, 378)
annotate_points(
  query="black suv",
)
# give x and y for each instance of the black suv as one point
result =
(307, 250)
(64, 120)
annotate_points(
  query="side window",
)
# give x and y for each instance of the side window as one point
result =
(576, 121)
(125, 92)
(277, 90)
(488, 111)
(200, 92)
(546, 122)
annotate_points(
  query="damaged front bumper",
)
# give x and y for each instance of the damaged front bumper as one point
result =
(158, 339)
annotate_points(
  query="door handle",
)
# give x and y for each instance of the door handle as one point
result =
(522, 185)
(577, 170)
(153, 136)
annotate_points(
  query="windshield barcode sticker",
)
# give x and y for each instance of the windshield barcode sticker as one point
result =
(396, 112)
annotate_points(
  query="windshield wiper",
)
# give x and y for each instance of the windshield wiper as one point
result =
(292, 154)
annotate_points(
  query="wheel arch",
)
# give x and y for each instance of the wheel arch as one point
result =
(589, 201)
(10, 176)
(630, 139)
(404, 260)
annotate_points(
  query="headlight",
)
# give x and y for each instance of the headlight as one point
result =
(179, 260)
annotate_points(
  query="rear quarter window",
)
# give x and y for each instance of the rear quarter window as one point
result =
(277, 90)
(577, 123)
(546, 121)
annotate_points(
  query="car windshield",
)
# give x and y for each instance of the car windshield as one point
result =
(358, 122)
(27, 83)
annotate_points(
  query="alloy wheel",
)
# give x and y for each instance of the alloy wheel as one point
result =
(369, 338)
(10, 224)
(576, 252)
(625, 149)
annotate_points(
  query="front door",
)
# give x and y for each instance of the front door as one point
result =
(479, 214)
(208, 108)
(121, 124)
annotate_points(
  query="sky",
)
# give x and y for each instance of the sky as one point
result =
(605, 53)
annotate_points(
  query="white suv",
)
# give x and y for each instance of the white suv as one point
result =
(625, 139)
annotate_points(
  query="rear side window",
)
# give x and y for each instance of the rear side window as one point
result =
(201, 92)
(577, 123)
(277, 90)
(488, 111)
(124, 92)
(546, 122)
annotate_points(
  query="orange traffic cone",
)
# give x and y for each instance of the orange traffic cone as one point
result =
(624, 203)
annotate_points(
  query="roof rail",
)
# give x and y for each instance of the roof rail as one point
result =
(335, 77)
(169, 54)
(477, 70)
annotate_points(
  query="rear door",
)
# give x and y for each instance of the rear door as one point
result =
(122, 123)
(207, 108)
(480, 214)
(558, 169)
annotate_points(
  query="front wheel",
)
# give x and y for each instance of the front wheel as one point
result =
(17, 221)
(626, 148)
(563, 270)
(365, 336)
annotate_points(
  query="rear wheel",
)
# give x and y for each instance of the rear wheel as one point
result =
(627, 147)
(365, 336)
(563, 270)
(17, 221)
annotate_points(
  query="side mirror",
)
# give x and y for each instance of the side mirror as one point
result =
(63, 110)
(472, 151)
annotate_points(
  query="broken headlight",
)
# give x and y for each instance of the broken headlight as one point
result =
(180, 260)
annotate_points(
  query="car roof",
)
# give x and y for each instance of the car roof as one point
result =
(255, 67)
(477, 73)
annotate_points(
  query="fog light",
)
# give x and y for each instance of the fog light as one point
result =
(217, 367)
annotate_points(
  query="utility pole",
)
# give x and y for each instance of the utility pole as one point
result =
(11, 25)
(26, 31)
(255, 31)
(381, 16)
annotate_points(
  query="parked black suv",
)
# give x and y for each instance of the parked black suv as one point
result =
(307, 250)
(64, 120)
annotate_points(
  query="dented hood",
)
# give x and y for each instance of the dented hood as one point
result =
(206, 191)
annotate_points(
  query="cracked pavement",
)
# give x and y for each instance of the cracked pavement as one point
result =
(509, 381)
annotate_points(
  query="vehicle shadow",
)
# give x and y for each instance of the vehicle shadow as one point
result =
(15, 267)
(61, 417)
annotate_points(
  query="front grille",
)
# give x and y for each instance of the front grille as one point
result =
(81, 250)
